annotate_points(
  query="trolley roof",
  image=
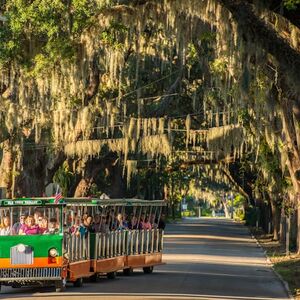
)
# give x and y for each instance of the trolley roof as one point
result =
(113, 202)
(31, 202)
(79, 201)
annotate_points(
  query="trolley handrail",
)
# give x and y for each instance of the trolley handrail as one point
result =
(128, 242)
(77, 246)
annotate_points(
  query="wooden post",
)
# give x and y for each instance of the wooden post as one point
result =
(287, 241)
(282, 226)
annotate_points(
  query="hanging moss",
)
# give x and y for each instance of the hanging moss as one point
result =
(131, 170)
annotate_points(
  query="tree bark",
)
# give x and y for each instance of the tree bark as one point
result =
(239, 188)
(288, 228)
(91, 171)
(282, 226)
(94, 81)
(275, 219)
(6, 167)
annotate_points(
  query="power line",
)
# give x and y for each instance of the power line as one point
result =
(147, 85)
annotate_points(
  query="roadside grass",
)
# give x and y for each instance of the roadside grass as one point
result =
(288, 267)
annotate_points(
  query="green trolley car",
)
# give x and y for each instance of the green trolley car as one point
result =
(49, 242)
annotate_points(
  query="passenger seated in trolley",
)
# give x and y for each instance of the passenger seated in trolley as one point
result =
(5, 226)
(30, 227)
(53, 226)
(133, 223)
(109, 221)
(17, 226)
(146, 224)
(43, 224)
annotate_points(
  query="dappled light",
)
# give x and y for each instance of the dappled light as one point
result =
(195, 103)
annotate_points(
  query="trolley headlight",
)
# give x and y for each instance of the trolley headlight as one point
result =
(21, 248)
(53, 252)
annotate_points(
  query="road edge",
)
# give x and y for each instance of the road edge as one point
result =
(283, 282)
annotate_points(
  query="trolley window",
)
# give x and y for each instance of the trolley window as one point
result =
(30, 220)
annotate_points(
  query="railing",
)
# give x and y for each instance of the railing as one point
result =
(128, 242)
(113, 244)
(77, 246)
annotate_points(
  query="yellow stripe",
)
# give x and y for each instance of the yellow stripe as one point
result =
(38, 262)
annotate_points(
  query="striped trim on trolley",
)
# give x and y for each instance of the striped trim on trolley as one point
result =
(38, 262)
(30, 274)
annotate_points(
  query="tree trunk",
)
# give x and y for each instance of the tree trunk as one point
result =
(298, 229)
(288, 228)
(282, 226)
(275, 219)
(6, 168)
(118, 188)
(226, 210)
(173, 210)
(92, 169)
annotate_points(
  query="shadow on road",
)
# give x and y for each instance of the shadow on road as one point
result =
(206, 259)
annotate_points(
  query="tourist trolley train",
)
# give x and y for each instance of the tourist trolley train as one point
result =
(52, 248)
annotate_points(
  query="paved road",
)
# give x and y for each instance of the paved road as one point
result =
(206, 259)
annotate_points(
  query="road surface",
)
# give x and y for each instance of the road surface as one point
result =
(206, 259)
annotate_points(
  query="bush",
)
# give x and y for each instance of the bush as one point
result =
(206, 212)
(239, 214)
(251, 215)
(188, 213)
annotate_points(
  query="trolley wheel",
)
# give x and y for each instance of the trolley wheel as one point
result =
(60, 286)
(128, 271)
(78, 282)
(148, 270)
(111, 275)
(94, 277)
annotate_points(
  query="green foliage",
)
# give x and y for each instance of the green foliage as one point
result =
(219, 66)
(83, 10)
(64, 178)
(239, 214)
(188, 213)
(239, 200)
(268, 160)
(213, 97)
(208, 37)
(239, 204)
(192, 55)
(113, 35)
(207, 40)
(94, 191)
(244, 118)
(291, 4)
(206, 212)
(289, 270)
(251, 215)
(39, 33)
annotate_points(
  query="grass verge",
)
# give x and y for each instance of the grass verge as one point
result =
(288, 267)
